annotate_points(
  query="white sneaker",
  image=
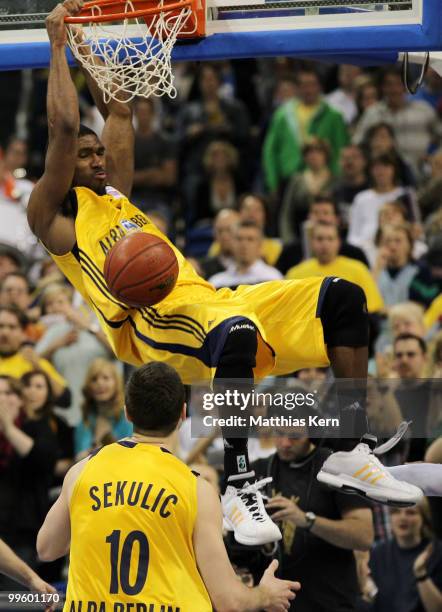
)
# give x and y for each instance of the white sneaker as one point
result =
(245, 514)
(360, 471)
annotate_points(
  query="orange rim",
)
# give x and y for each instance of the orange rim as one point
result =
(118, 16)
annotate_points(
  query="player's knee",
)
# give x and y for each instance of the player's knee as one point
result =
(241, 345)
(355, 293)
(346, 292)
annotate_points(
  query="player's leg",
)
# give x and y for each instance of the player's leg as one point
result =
(344, 318)
(243, 507)
(355, 469)
(426, 476)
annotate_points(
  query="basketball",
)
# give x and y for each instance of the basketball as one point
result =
(141, 270)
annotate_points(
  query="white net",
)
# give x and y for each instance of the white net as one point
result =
(132, 58)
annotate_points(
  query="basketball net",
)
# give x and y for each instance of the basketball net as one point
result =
(132, 58)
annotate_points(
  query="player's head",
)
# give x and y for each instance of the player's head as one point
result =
(155, 399)
(90, 168)
(325, 242)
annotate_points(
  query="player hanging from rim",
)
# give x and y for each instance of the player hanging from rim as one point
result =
(80, 207)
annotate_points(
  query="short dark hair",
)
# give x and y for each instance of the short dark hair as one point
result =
(382, 125)
(16, 274)
(406, 336)
(19, 314)
(83, 130)
(390, 71)
(325, 198)
(154, 398)
(248, 225)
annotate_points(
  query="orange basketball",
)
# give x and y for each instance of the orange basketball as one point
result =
(141, 269)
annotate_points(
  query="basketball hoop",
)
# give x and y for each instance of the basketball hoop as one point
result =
(126, 45)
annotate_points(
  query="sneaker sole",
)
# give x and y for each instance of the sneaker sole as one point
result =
(250, 541)
(347, 484)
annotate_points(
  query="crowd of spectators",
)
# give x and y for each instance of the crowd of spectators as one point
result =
(258, 170)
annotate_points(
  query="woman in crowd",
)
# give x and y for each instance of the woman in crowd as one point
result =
(38, 402)
(28, 455)
(403, 318)
(102, 410)
(302, 187)
(364, 211)
(395, 270)
(254, 207)
(367, 94)
(73, 339)
(380, 140)
(220, 184)
(407, 569)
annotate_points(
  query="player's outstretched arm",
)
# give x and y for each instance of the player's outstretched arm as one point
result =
(55, 231)
(17, 569)
(227, 593)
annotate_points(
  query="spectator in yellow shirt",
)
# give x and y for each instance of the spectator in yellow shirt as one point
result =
(327, 262)
(17, 357)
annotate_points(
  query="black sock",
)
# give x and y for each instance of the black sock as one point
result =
(352, 403)
(236, 458)
(236, 362)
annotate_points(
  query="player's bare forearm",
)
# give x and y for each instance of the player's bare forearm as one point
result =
(118, 132)
(62, 99)
(13, 566)
(118, 138)
(63, 123)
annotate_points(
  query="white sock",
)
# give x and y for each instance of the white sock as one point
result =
(426, 476)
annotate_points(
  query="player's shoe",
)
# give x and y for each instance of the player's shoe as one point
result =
(245, 513)
(359, 471)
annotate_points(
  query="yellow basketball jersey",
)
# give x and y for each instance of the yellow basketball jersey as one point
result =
(132, 511)
(99, 223)
(188, 329)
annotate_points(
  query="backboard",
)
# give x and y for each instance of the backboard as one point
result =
(349, 30)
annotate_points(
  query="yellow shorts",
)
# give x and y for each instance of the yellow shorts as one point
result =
(189, 331)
